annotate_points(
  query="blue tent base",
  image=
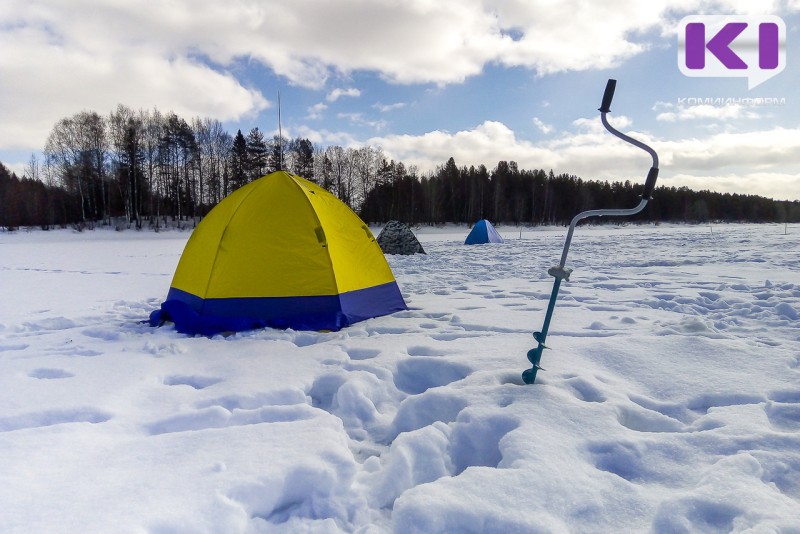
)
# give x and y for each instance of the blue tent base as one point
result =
(194, 315)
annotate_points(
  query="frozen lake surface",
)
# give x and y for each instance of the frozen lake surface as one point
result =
(670, 400)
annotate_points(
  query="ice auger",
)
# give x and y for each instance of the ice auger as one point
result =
(561, 272)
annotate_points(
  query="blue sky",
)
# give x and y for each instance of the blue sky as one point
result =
(478, 80)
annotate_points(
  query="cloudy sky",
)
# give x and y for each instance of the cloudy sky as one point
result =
(478, 80)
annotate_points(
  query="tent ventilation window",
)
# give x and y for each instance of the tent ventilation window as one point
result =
(320, 236)
(366, 231)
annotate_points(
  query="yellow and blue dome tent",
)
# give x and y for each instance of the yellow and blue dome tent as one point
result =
(279, 252)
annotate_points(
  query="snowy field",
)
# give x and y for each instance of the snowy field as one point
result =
(670, 401)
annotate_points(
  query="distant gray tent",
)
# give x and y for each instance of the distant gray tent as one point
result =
(397, 238)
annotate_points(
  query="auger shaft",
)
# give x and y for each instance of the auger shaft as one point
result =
(561, 272)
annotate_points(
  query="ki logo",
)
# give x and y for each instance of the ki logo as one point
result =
(752, 47)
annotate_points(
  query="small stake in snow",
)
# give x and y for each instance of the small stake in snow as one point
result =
(560, 272)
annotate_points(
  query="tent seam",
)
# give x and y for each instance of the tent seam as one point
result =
(216, 253)
(327, 245)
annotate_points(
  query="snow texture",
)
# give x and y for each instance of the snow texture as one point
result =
(670, 400)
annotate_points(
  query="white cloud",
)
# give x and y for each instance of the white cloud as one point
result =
(63, 61)
(336, 94)
(485, 144)
(544, 128)
(64, 57)
(774, 150)
(358, 119)
(316, 111)
(326, 137)
(385, 108)
(777, 185)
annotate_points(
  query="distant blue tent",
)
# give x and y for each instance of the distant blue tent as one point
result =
(483, 232)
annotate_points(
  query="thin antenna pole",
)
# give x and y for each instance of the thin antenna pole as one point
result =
(280, 135)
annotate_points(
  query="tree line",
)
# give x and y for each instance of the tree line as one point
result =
(509, 195)
(145, 168)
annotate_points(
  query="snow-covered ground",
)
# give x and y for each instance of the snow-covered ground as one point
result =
(670, 403)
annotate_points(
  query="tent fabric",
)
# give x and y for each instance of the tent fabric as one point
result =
(483, 232)
(397, 238)
(279, 252)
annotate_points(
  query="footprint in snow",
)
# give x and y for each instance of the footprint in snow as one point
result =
(14, 346)
(103, 333)
(461, 334)
(305, 339)
(159, 350)
(317, 491)
(641, 419)
(237, 410)
(50, 324)
(626, 460)
(52, 417)
(669, 409)
(423, 410)
(787, 396)
(422, 373)
(256, 401)
(584, 390)
(422, 350)
(432, 452)
(386, 330)
(194, 381)
(361, 396)
(219, 417)
(476, 442)
(695, 514)
(783, 416)
(703, 403)
(323, 390)
(76, 350)
(50, 374)
(362, 353)
(783, 410)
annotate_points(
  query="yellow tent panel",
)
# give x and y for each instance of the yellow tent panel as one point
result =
(283, 252)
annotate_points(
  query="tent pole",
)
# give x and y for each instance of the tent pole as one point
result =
(280, 135)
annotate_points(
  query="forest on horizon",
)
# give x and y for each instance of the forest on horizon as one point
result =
(145, 168)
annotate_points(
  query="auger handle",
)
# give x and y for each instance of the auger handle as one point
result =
(608, 95)
(650, 183)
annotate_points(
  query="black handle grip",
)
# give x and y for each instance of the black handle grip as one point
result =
(650, 184)
(605, 107)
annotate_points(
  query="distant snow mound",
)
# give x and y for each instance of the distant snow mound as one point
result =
(397, 238)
